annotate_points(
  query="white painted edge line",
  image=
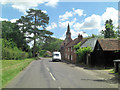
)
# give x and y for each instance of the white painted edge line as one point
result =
(52, 77)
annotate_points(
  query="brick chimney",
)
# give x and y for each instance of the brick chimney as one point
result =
(80, 36)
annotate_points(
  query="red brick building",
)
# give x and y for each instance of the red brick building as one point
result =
(67, 47)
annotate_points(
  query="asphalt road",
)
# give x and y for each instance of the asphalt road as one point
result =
(47, 74)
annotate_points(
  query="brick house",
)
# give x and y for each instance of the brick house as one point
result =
(67, 47)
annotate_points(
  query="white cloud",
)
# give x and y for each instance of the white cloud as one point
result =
(3, 19)
(72, 13)
(110, 13)
(92, 22)
(65, 16)
(52, 26)
(52, 3)
(78, 11)
(97, 22)
(44, 11)
(65, 23)
(23, 5)
(13, 20)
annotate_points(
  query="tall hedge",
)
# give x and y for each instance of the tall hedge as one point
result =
(11, 52)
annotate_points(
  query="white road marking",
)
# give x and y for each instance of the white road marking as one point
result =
(52, 76)
(47, 68)
(59, 88)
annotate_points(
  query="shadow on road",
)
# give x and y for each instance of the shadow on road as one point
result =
(110, 81)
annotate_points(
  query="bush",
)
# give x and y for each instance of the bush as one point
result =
(11, 52)
(45, 55)
(42, 52)
(81, 51)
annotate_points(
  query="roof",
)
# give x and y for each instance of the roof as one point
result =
(109, 44)
(90, 42)
(76, 41)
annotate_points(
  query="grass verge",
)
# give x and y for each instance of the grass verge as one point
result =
(10, 68)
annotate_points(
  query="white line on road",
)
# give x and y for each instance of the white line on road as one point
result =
(59, 88)
(52, 77)
(47, 68)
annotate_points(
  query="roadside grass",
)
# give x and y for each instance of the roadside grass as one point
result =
(10, 68)
(112, 71)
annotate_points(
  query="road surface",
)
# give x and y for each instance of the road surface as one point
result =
(47, 74)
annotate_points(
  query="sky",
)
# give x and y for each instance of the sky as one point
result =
(86, 18)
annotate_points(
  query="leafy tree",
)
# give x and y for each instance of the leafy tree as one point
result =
(50, 44)
(35, 23)
(117, 33)
(109, 32)
(10, 31)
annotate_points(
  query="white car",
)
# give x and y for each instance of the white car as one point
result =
(56, 56)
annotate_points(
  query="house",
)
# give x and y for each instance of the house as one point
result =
(67, 47)
(104, 51)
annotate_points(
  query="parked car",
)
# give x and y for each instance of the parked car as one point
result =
(56, 56)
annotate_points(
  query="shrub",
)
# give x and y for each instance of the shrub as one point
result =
(45, 55)
(82, 51)
(42, 52)
(10, 51)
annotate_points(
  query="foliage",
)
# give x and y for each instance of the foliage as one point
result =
(45, 55)
(10, 51)
(109, 32)
(52, 44)
(81, 51)
(10, 31)
(34, 23)
(10, 68)
(41, 52)
(97, 36)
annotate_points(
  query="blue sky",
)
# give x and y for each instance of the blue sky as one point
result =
(86, 18)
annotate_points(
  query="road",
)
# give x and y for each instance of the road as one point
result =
(47, 74)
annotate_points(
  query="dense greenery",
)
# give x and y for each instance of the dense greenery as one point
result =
(34, 24)
(52, 44)
(10, 31)
(10, 68)
(81, 52)
(10, 51)
(110, 31)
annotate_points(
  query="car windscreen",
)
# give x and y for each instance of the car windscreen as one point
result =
(56, 54)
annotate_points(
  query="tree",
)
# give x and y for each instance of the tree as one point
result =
(35, 23)
(10, 31)
(117, 32)
(52, 44)
(109, 32)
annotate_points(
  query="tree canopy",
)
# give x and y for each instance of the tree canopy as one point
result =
(34, 24)
(108, 32)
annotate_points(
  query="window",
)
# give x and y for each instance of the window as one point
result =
(66, 55)
(68, 49)
(56, 54)
(71, 49)
(71, 57)
(74, 51)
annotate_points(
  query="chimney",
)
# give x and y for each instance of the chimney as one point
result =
(80, 36)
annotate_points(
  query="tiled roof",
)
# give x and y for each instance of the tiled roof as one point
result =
(90, 42)
(109, 44)
(76, 41)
